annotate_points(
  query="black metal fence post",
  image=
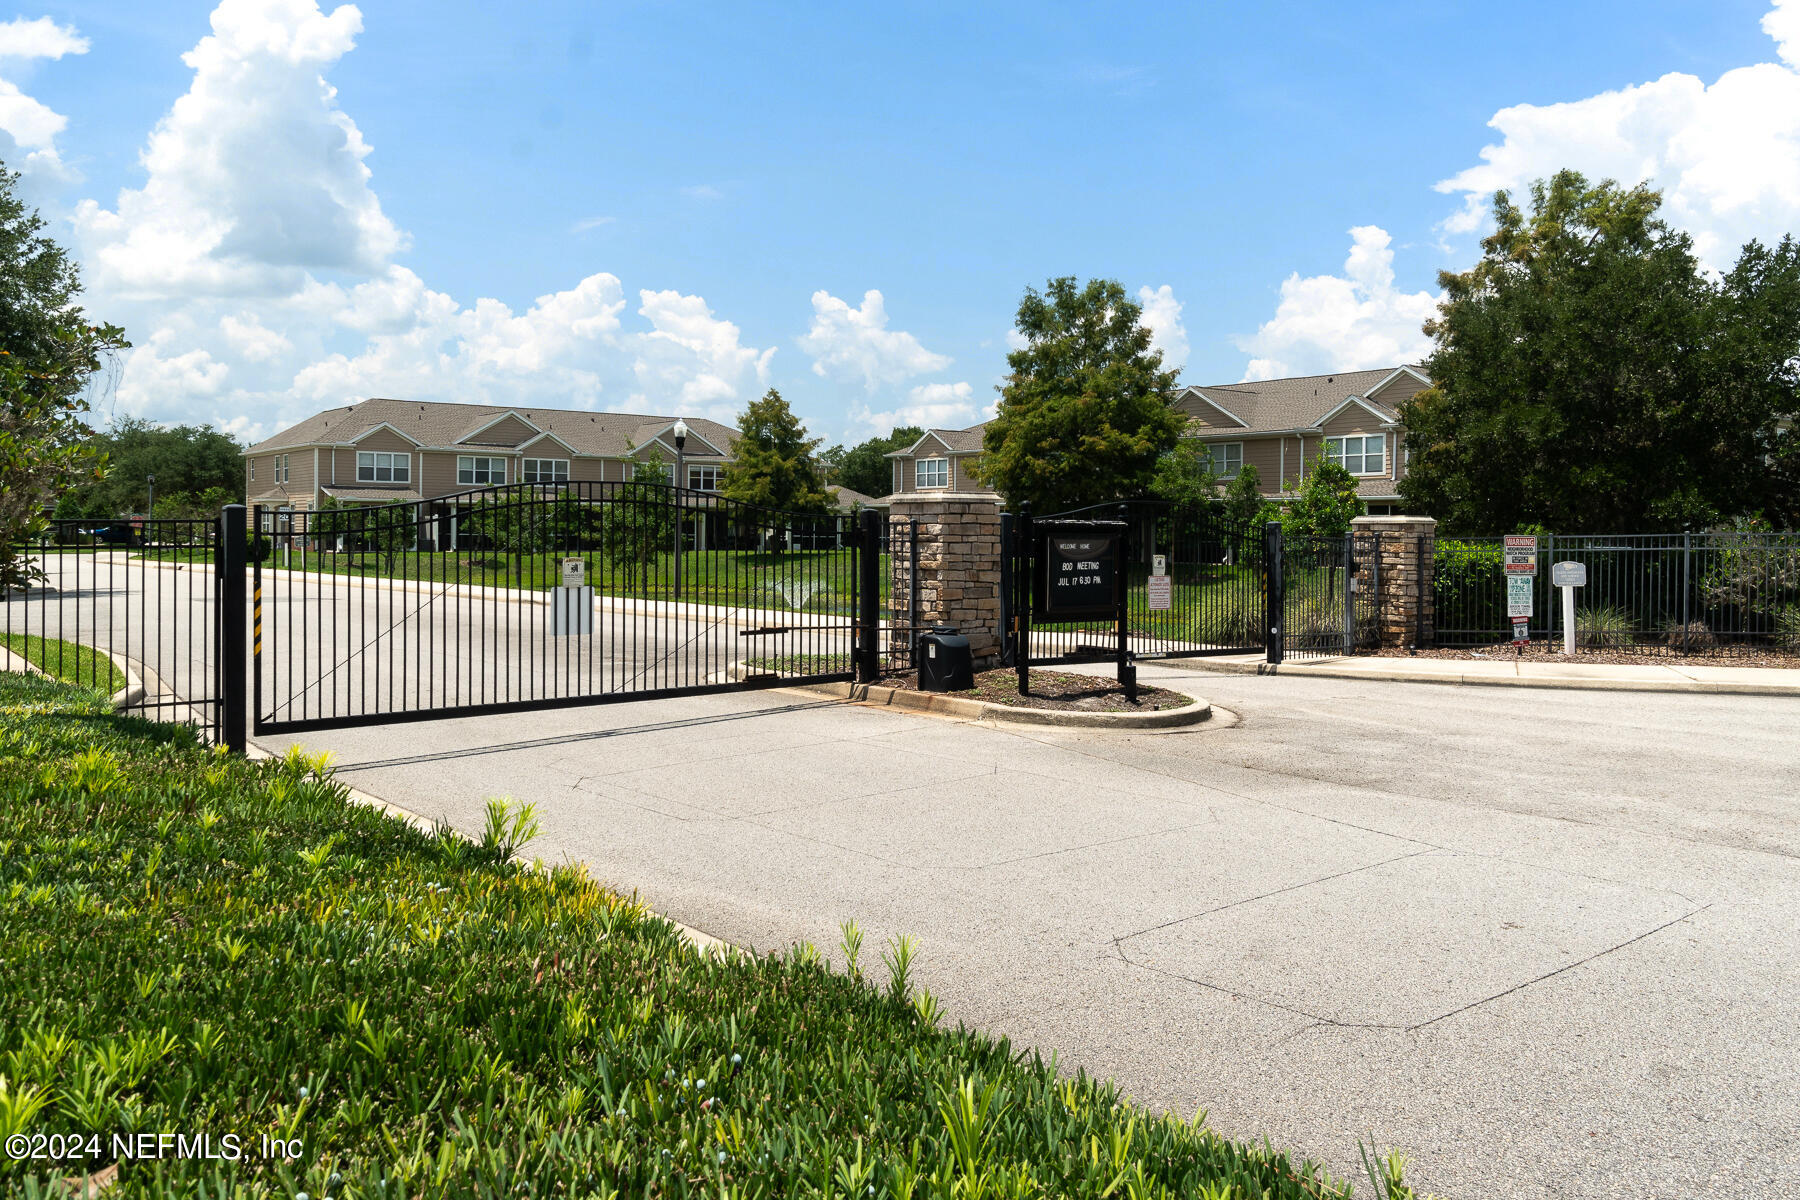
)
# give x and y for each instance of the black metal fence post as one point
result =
(233, 659)
(868, 598)
(1022, 577)
(1122, 602)
(1349, 594)
(1275, 599)
(1008, 653)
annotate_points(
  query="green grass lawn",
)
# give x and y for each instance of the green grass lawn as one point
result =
(803, 581)
(71, 661)
(205, 946)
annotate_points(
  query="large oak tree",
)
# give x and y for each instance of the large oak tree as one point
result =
(1591, 377)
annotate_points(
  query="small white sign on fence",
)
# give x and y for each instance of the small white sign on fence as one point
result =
(1159, 564)
(1518, 596)
(1161, 591)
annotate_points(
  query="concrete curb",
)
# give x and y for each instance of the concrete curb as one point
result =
(1565, 682)
(982, 710)
(704, 942)
(132, 693)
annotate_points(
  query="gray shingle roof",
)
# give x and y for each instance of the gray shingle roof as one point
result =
(1293, 403)
(441, 424)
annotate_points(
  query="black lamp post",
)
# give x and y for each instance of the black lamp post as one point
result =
(681, 432)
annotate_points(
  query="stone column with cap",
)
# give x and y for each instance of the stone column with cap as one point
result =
(959, 564)
(1404, 549)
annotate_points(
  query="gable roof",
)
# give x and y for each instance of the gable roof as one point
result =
(954, 441)
(1269, 405)
(441, 425)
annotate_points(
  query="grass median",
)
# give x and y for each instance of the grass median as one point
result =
(202, 946)
(72, 662)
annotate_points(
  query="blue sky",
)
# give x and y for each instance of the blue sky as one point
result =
(669, 207)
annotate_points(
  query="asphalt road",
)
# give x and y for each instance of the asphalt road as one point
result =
(1546, 943)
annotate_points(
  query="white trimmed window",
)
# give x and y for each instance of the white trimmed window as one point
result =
(253, 470)
(479, 472)
(703, 478)
(1359, 455)
(546, 470)
(378, 466)
(931, 473)
(1225, 459)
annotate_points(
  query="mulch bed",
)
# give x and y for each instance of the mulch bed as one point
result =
(1655, 656)
(1054, 690)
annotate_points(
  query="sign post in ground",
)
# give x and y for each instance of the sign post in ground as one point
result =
(1521, 568)
(1568, 576)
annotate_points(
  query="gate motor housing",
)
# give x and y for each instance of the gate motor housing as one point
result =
(945, 662)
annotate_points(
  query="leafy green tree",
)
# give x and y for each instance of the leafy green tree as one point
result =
(362, 528)
(1184, 475)
(1243, 503)
(48, 354)
(1326, 505)
(187, 460)
(773, 465)
(637, 520)
(866, 467)
(1590, 377)
(1087, 410)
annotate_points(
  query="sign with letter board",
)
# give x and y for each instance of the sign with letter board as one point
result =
(1521, 554)
(1518, 596)
(1079, 579)
(1160, 589)
(1568, 574)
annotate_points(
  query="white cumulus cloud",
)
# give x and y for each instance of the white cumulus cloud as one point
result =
(259, 276)
(1726, 156)
(1162, 317)
(28, 127)
(929, 406)
(256, 176)
(1349, 322)
(855, 343)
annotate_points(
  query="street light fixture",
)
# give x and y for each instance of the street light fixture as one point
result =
(681, 432)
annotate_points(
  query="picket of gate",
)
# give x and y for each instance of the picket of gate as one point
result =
(460, 606)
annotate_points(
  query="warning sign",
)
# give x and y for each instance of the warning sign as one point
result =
(1521, 631)
(1521, 554)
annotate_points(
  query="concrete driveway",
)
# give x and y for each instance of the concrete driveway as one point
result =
(1547, 943)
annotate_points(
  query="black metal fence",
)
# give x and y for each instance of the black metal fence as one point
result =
(137, 608)
(1212, 602)
(1651, 594)
(900, 620)
(1330, 590)
(526, 597)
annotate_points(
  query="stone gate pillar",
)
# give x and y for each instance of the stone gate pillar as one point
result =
(1405, 552)
(959, 564)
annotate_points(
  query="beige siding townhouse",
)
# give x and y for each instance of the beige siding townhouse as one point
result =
(1283, 426)
(941, 461)
(387, 451)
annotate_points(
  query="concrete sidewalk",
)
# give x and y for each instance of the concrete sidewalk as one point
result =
(1503, 671)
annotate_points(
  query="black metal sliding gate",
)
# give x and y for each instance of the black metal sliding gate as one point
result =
(533, 596)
